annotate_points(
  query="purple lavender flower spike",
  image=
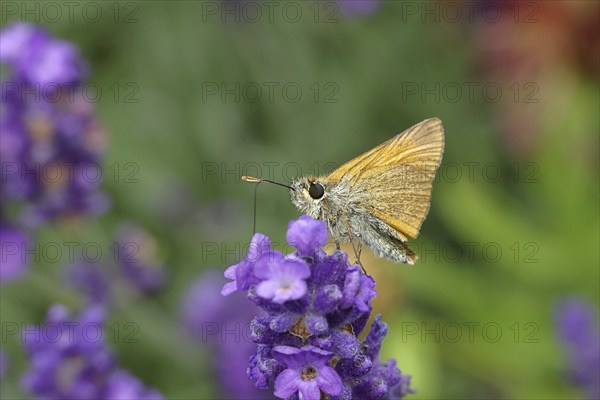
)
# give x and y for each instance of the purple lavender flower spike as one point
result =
(123, 386)
(90, 279)
(316, 306)
(14, 39)
(51, 143)
(56, 62)
(359, 7)
(69, 359)
(67, 368)
(38, 59)
(307, 373)
(13, 246)
(577, 326)
(211, 318)
(138, 257)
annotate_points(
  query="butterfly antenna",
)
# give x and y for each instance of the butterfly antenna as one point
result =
(258, 181)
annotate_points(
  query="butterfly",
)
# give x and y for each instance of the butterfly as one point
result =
(379, 198)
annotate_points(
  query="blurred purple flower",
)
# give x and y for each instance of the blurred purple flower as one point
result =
(51, 143)
(577, 326)
(359, 7)
(36, 58)
(74, 366)
(90, 279)
(138, 257)
(14, 246)
(69, 359)
(222, 324)
(308, 343)
(122, 385)
(14, 40)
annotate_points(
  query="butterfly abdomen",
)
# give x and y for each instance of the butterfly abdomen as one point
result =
(384, 242)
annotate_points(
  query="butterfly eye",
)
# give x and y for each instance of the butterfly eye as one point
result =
(316, 191)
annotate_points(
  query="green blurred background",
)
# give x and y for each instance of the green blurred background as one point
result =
(513, 225)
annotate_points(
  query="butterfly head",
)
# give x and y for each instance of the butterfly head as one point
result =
(307, 194)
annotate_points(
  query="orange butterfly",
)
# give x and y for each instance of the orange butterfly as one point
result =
(381, 197)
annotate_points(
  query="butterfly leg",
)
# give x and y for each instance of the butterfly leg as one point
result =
(356, 251)
(357, 254)
(337, 245)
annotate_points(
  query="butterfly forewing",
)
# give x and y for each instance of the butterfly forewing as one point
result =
(397, 176)
(399, 196)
